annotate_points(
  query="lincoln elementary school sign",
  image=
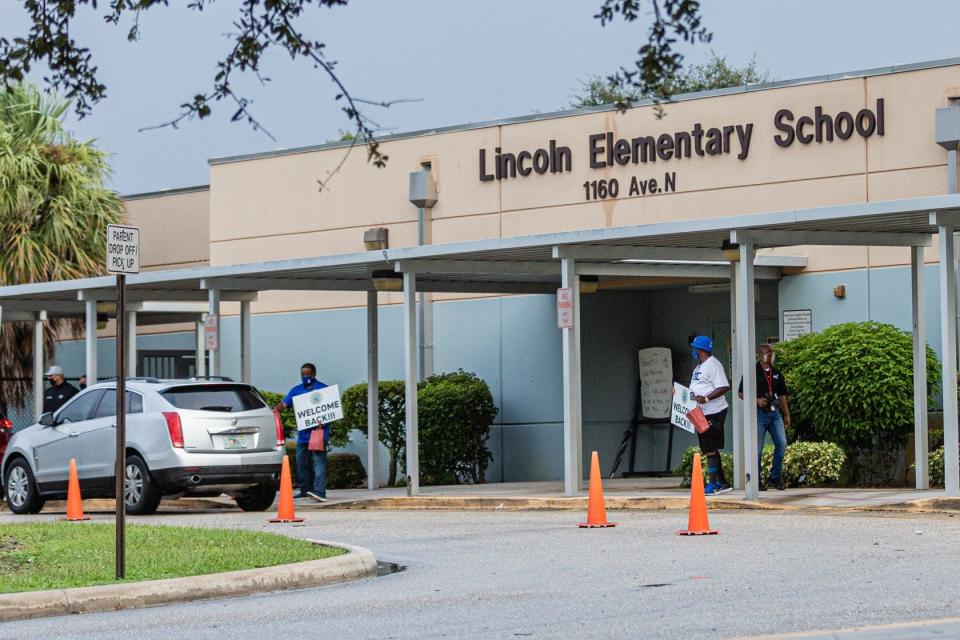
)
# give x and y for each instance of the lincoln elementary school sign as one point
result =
(605, 150)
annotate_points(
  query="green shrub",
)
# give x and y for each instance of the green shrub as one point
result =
(392, 405)
(455, 414)
(456, 411)
(686, 465)
(852, 384)
(339, 431)
(344, 470)
(936, 467)
(854, 381)
(807, 464)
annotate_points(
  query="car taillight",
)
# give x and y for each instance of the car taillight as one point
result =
(174, 428)
(278, 423)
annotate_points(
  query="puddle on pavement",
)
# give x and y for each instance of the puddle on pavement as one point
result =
(386, 568)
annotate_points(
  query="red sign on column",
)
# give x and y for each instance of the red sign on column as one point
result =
(565, 308)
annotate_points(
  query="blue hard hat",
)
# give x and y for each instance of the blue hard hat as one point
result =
(704, 343)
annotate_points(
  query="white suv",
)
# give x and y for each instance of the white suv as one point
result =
(193, 437)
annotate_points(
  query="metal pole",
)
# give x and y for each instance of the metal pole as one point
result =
(90, 329)
(920, 431)
(120, 470)
(410, 378)
(214, 309)
(736, 372)
(578, 432)
(746, 338)
(571, 387)
(373, 395)
(38, 365)
(131, 343)
(200, 366)
(425, 307)
(948, 337)
(246, 365)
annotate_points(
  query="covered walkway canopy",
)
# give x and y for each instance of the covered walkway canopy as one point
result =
(711, 249)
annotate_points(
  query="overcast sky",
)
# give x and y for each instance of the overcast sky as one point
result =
(467, 61)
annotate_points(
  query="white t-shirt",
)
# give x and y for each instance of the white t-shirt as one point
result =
(707, 377)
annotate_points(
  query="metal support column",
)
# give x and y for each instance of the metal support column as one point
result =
(90, 333)
(746, 339)
(373, 394)
(200, 367)
(38, 364)
(920, 431)
(410, 379)
(735, 373)
(948, 347)
(131, 344)
(572, 458)
(246, 366)
(214, 297)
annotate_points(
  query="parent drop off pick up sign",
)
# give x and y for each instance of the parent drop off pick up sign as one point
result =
(318, 407)
(683, 402)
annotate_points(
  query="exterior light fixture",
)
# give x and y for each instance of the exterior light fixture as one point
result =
(386, 280)
(731, 252)
(840, 291)
(376, 238)
(589, 284)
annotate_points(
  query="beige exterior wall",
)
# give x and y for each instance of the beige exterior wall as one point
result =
(175, 228)
(271, 208)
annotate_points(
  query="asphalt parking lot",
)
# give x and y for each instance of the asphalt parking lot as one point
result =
(501, 574)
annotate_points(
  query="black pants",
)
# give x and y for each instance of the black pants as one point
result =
(711, 440)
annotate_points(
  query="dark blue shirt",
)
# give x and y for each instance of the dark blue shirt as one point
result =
(303, 437)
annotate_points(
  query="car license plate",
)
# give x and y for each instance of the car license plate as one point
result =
(235, 442)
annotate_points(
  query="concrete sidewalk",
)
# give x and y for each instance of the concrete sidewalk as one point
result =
(632, 493)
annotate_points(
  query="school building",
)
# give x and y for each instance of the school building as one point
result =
(646, 214)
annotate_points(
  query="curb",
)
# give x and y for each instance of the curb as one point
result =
(357, 563)
(440, 503)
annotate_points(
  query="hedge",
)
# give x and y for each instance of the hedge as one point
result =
(805, 464)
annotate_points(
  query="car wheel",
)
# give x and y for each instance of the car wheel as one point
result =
(257, 498)
(141, 494)
(21, 489)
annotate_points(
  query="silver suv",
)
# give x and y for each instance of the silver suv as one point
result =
(184, 437)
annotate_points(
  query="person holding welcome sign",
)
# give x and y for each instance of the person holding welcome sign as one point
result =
(312, 443)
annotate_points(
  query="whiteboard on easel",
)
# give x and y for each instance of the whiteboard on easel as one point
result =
(656, 382)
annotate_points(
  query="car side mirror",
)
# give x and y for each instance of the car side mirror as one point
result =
(47, 419)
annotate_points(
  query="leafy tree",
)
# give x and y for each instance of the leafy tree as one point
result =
(262, 26)
(715, 73)
(54, 212)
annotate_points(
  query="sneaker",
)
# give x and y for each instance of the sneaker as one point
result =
(316, 496)
(778, 483)
(723, 488)
(763, 486)
(711, 489)
(302, 494)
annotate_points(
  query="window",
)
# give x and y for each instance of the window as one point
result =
(108, 404)
(227, 398)
(80, 407)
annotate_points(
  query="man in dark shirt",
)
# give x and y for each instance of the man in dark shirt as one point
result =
(59, 390)
(771, 403)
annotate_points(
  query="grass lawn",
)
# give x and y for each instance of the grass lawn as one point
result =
(64, 554)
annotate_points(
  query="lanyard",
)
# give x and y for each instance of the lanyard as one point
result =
(768, 376)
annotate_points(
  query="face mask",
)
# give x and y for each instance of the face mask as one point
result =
(307, 380)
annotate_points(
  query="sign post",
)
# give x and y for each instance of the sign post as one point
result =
(123, 257)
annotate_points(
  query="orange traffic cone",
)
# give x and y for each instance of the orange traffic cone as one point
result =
(596, 511)
(698, 524)
(74, 501)
(285, 511)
